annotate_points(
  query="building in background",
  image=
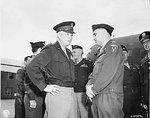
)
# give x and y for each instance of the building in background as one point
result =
(9, 68)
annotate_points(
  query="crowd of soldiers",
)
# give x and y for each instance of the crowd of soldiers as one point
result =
(59, 83)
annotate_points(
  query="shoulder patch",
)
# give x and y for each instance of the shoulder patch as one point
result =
(114, 47)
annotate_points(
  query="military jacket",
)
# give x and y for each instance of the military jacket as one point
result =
(107, 75)
(82, 70)
(52, 59)
(20, 81)
(132, 82)
(145, 76)
(131, 75)
(30, 89)
(144, 69)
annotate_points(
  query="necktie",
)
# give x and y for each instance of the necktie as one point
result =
(66, 53)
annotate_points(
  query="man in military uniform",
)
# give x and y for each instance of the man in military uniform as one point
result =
(56, 60)
(33, 99)
(131, 85)
(83, 69)
(19, 96)
(144, 38)
(105, 87)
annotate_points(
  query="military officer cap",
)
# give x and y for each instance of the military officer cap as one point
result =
(76, 47)
(124, 48)
(105, 26)
(66, 26)
(144, 37)
(37, 45)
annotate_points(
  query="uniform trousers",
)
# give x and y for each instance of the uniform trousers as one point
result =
(108, 105)
(61, 105)
(33, 112)
(82, 107)
(19, 108)
(131, 104)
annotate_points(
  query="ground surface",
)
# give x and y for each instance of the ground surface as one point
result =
(7, 107)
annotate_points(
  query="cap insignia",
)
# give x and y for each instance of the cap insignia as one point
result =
(143, 34)
(71, 24)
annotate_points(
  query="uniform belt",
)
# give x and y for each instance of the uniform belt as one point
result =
(111, 90)
(131, 85)
(63, 84)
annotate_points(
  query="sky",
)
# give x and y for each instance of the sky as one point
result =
(25, 21)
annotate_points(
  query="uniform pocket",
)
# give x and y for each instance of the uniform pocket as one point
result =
(60, 65)
(98, 67)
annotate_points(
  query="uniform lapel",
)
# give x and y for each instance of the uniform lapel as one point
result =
(69, 54)
(104, 50)
(65, 54)
(101, 53)
(57, 45)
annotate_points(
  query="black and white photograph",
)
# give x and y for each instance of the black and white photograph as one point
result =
(75, 59)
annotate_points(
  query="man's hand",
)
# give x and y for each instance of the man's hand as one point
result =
(32, 103)
(89, 92)
(53, 89)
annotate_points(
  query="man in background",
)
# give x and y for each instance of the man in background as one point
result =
(83, 69)
(19, 96)
(144, 38)
(131, 87)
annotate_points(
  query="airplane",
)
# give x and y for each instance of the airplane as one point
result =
(134, 47)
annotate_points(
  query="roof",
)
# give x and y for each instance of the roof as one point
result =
(10, 65)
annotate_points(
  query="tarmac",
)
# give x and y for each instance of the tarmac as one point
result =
(7, 108)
